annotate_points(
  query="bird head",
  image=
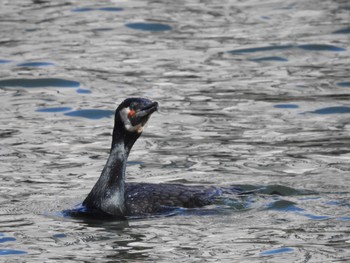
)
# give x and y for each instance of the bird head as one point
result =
(134, 113)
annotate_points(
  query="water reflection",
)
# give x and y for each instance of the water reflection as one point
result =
(4, 252)
(272, 58)
(113, 239)
(343, 218)
(286, 106)
(103, 29)
(149, 26)
(6, 239)
(316, 217)
(277, 251)
(39, 83)
(5, 61)
(309, 47)
(93, 114)
(55, 109)
(88, 9)
(332, 110)
(35, 64)
(111, 9)
(59, 236)
(82, 9)
(83, 91)
(343, 31)
(284, 205)
(261, 49)
(321, 47)
(344, 84)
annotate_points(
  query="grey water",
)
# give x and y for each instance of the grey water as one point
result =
(253, 94)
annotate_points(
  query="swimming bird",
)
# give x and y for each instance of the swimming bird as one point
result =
(112, 196)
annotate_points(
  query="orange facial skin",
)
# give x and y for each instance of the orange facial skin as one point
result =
(131, 114)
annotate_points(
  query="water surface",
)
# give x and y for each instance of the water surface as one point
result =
(253, 94)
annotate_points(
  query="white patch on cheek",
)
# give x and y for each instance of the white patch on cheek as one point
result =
(127, 124)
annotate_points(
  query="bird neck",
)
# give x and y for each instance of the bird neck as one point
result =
(108, 193)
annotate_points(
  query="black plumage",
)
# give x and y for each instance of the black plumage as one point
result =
(112, 197)
(143, 198)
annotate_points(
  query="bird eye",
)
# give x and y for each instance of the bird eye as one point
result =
(132, 106)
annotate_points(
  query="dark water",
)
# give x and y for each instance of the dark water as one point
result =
(252, 93)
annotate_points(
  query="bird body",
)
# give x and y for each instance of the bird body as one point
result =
(145, 198)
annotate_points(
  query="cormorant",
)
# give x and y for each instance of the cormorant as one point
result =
(111, 196)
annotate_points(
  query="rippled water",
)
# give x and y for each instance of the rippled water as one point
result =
(252, 93)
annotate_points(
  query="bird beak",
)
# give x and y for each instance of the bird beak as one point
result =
(148, 110)
(142, 116)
